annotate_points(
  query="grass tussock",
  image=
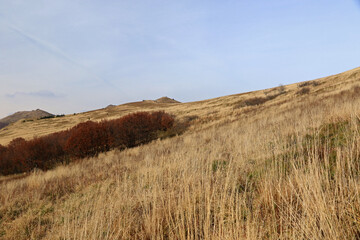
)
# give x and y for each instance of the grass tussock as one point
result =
(255, 101)
(304, 90)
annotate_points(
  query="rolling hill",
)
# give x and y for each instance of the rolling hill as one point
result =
(279, 163)
(28, 115)
(207, 112)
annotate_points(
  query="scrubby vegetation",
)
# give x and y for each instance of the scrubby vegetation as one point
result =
(302, 91)
(260, 100)
(53, 116)
(308, 83)
(86, 139)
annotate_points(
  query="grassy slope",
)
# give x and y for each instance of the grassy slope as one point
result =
(29, 115)
(210, 111)
(234, 175)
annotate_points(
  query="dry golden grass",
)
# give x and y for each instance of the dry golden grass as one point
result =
(234, 175)
(210, 112)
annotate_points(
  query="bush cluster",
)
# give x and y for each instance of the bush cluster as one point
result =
(52, 116)
(304, 90)
(86, 139)
(255, 101)
(259, 100)
(308, 83)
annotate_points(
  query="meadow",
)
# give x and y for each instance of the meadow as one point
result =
(279, 163)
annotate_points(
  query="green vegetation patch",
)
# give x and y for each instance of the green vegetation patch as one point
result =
(322, 145)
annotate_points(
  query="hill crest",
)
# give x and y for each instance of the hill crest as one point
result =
(34, 114)
(166, 100)
(205, 113)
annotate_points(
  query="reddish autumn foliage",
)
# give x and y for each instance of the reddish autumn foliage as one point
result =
(17, 153)
(44, 152)
(47, 151)
(86, 139)
(138, 128)
(162, 120)
(167, 121)
(5, 164)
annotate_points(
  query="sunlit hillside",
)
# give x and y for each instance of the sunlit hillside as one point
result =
(208, 112)
(280, 163)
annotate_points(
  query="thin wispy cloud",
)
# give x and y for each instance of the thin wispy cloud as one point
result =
(42, 44)
(55, 51)
(38, 94)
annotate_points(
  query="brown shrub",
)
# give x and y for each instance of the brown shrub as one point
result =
(303, 91)
(17, 153)
(281, 89)
(139, 128)
(356, 90)
(255, 101)
(308, 83)
(304, 84)
(136, 129)
(47, 151)
(86, 139)
(4, 161)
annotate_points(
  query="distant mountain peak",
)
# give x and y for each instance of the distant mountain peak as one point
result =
(34, 114)
(166, 100)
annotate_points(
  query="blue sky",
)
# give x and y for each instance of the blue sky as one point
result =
(67, 56)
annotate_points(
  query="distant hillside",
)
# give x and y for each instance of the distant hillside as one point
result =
(34, 114)
(2, 125)
(202, 114)
(166, 100)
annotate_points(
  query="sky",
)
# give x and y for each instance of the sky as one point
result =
(67, 56)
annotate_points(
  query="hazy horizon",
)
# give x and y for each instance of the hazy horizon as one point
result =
(74, 56)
